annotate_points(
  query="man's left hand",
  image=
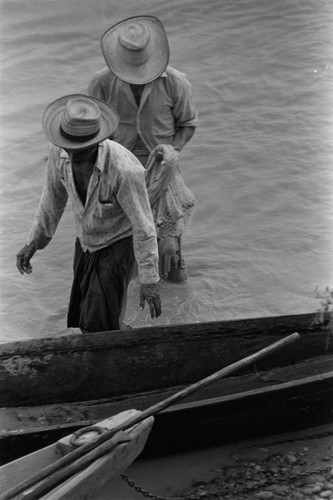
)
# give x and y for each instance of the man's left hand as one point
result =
(169, 255)
(149, 292)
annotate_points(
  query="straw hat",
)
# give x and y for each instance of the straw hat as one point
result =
(136, 50)
(77, 121)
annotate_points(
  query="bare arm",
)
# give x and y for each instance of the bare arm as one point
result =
(50, 209)
(183, 135)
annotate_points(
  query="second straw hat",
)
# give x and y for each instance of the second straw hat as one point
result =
(136, 50)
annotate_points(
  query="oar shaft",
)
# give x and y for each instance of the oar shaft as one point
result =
(217, 375)
(53, 474)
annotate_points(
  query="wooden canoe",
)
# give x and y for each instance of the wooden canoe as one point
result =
(50, 387)
(89, 482)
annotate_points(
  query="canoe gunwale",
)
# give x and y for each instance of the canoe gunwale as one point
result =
(154, 335)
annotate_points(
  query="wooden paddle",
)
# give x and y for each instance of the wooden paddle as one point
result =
(53, 475)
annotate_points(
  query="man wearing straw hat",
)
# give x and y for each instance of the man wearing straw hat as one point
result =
(153, 101)
(113, 218)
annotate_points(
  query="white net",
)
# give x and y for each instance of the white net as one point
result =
(172, 202)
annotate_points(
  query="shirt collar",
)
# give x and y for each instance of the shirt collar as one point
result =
(163, 75)
(63, 154)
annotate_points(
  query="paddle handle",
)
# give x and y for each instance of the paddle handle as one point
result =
(219, 374)
(51, 476)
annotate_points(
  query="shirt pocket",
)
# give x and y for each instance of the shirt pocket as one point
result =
(107, 204)
(107, 209)
(106, 195)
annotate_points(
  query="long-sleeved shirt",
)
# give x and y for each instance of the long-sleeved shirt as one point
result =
(117, 205)
(166, 105)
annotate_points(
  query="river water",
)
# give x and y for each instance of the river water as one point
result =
(260, 165)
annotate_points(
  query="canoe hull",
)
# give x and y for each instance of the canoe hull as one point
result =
(275, 409)
(93, 479)
(111, 364)
(284, 408)
(99, 375)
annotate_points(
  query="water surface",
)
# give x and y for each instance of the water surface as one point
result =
(260, 164)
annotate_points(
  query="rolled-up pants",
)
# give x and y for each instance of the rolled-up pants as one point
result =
(99, 286)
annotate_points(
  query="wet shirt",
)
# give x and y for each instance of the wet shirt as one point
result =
(166, 105)
(116, 206)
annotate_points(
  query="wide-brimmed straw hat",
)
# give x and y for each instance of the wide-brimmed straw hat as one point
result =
(78, 121)
(136, 50)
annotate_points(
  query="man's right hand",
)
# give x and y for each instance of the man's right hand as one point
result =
(149, 292)
(23, 259)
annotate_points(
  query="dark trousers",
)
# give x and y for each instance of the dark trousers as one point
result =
(99, 286)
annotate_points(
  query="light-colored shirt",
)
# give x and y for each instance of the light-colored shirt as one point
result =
(166, 105)
(117, 205)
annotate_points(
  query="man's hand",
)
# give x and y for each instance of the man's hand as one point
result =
(160, 151)
(149, 293)
(169, 255)
(23, 259)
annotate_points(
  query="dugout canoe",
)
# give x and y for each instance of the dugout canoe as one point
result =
(90, 481)
(50, 387)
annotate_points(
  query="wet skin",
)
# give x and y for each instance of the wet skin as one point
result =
(83, 162)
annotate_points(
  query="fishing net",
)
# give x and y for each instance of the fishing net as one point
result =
(172, 202)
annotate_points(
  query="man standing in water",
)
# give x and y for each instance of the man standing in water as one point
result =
(153, 101)
(113, 218)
